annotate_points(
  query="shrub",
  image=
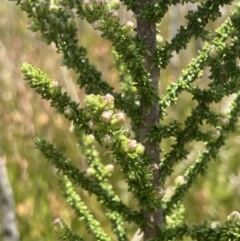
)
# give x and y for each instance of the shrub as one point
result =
(133, 123)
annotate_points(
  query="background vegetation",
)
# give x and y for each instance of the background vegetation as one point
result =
(23, 115)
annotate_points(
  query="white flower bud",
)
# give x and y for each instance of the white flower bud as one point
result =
(106, 115)
(108, 98)
(129, 25)
(120, 117)
(153, 167)
(100, 2)
(57, 222)
(160, 192)
(115, 4)
(234, 216)
(114, 14)
(90, 139)
(108, 140)
(109, 168)
(131, 145)
(68, 111)
(55, 83)
(179, 180)
(90, 172)
(92, 125)
(215, 134)
(213, 52)
(224, 121)
(96, 24)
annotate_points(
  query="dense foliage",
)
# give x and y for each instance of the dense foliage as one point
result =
(132, 123)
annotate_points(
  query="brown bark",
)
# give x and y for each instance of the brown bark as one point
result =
(147, 31)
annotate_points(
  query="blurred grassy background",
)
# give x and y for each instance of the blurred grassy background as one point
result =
(24, 115)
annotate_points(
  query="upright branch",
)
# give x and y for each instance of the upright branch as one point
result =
(146, 31)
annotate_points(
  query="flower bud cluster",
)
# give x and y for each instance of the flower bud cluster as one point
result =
(109, 125)
(114, 4)
(53, 15)
(96, 103)
(132, 146)
(93, 10)
(104, 16)
(113, 17)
